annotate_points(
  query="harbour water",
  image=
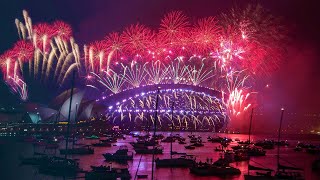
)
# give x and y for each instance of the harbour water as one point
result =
(11, 150)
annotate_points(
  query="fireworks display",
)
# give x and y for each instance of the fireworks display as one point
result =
(220, 53)
(45, 53)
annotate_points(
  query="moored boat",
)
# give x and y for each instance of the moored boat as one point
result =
(92, 137)
(101, 144)
(147, 150)
(120, 155)
(190, 147)
(182, 161)
(59, 167)
(79, 150)
(108, 174)
(205, 169)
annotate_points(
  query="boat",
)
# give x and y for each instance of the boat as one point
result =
(250, 150)
(178, 153)
(169, 139)
(36, 160)
(206, 169)
(191, 136)
(121, 155)
(101, 144)
(59, 167)
(241, 156)
(100, 168)
(109, 140)
(92, 137)
(108, 174)
(298, 149)
(182, 161)
(265, 144)
(80, 150)
(247, 142)
(142, 143)
(282, 143)
(306, 146)
(215, 139)
(190, 147)
(219, 149)
(198, 144)
(266, 173)
(193, 140)
(313, 150)
(158, 136)
(147, 150)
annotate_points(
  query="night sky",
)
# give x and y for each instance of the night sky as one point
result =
(296, 85)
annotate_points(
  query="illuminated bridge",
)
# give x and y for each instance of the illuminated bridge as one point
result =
(193, 106)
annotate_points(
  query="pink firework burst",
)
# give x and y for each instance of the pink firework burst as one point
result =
(43, 33)
(97, 55)
(137, 39)
(206, 33)
(174, 27)
(237, 102)
(23, 50)
(62, 30)
(114, 44)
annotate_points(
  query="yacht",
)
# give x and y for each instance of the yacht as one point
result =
(59, 167)
(182, 161)
(147, 150)
(206, 169)
(79, 150)
(121, 155)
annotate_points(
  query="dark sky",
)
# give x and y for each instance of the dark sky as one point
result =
(296, 85)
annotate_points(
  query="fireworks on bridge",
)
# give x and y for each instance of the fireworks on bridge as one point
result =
(226, 53)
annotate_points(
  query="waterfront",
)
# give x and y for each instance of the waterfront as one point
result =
(11, 151)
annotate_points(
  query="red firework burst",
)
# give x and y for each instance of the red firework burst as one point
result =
(174, 26)
(114, 43)
(98, 51)
(43, 32)
(23, 50)
(206, 33)
(137, 39)
(44, 29)
(98, 46)
(62, 30)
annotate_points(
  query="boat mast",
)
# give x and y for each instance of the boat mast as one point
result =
(154, 132)
(250, 126)
(171, 129)
(75, 121)
(59, 112)
(249, 138)
(69, 115)
(279, 132)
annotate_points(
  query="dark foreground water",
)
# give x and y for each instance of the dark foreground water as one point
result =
(10, 151)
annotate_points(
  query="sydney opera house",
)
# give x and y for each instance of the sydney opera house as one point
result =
(56, 111)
